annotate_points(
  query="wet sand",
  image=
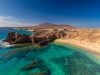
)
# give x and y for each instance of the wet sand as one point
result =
(94, 48)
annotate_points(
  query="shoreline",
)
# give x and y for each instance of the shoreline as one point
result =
(78, 45)
(84, 49)
(90, 47)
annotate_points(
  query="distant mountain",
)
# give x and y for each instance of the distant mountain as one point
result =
(53, 26)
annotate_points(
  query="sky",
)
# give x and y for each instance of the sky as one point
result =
(82, 13)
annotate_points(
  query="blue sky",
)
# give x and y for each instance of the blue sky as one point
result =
(83, 13)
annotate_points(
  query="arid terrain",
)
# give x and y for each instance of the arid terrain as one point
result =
(84, 37)
(88, 38)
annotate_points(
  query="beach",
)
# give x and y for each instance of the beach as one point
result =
(91, 47)
(57, 58)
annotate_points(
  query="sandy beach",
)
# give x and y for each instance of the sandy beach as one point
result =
(90, 47)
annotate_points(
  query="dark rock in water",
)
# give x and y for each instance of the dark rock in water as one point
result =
(42, 43)
(45, 70)
(17, 38)
(35, 64)
(42, 37)
(38, 39)
(42, 73)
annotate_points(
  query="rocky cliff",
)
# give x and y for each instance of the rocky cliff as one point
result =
(17, 38)
(40, 37)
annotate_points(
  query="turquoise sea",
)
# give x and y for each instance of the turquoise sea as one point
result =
(59, 59)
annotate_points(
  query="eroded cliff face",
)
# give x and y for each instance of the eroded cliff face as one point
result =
(17, 38)
(38, 38)
(41, 37)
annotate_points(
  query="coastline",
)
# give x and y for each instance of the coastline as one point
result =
(90, 47)
(81, 45)
(95, 54)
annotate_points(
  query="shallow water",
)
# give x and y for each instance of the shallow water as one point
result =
(5, 31)
(58, 58)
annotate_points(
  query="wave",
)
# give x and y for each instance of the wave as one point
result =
(4, 44)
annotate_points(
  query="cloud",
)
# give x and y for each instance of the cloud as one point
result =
(9, 21)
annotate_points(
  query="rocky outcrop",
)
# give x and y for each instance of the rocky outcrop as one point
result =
(38, 63)
(40, 37)
(35, 64)
(17, 38)
(43, 38)
(42, 73)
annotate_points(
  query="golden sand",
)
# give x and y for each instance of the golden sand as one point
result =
(91, 47)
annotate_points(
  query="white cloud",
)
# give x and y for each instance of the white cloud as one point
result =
(9, 21)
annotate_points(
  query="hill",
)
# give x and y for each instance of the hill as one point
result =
(52, 26)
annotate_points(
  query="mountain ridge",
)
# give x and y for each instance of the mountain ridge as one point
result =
(46, 25)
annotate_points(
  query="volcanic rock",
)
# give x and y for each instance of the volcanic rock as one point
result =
(17, 38)
(35, 64)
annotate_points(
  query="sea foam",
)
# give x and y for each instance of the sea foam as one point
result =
(4, 44)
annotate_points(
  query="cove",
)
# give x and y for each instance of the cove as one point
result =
(60, 59)
(55, 59)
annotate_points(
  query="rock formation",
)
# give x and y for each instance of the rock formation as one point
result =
(41, 73)
(43, 38)
(35, 64)
(17, 38)
(38, 63)
(40, 37)
(43, 34)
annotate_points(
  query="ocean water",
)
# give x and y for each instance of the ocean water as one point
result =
(57, 59)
